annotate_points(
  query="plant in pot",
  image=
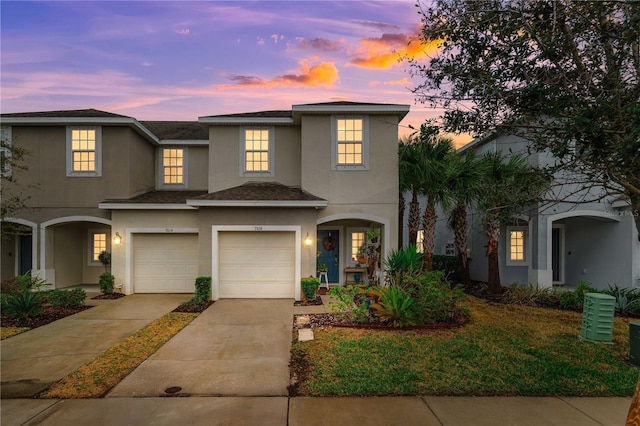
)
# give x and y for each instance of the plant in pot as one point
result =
(309, 287)
(373, 236)
(361, 256)
(322, 267)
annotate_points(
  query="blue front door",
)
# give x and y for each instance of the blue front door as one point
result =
(329, 251)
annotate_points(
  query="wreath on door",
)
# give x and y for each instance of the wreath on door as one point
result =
(329, 243)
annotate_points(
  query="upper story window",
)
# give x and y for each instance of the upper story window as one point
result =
(256, 154)
(5, 151)
(350, 143)
(173, 166)
(516, 245)
(84, 151)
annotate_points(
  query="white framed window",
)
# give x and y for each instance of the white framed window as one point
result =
(98, 242)
(256, 151)
(419, 239)
(517, 240)
(5, 152)
(173, 168)
(350, 150)
(450, 248)
(84, 151)
(357, 241)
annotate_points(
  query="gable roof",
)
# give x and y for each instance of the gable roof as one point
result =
(260, 194)
(83, 113)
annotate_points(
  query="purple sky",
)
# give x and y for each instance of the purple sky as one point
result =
(167, 60)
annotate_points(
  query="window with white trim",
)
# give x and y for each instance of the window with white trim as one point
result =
(357, 241)
(349, 148)
(256, 152)
(98, 242)
(173, 166)
(516, 245)
(419, 241)
(5, 152)
(84, 151)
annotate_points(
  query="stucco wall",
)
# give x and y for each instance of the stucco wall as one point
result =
(224, 157)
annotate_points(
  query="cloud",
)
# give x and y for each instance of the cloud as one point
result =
(184, 31)
(386, 51)
(401, 82)
(378, 25)
(320, 44)
(276, 38)
(323, 74)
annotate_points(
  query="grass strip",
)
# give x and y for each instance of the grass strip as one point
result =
(505, 350)
(98, 376)
(6, 332)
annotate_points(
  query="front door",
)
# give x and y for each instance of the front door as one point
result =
(26, 250)
(328, 253)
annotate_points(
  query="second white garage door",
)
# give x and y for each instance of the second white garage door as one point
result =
(256, 264)
(165, 263)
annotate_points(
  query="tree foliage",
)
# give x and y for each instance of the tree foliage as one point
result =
(12, 193)
(563, 74)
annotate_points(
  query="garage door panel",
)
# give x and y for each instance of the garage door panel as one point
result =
(165, 263)
(256, 264)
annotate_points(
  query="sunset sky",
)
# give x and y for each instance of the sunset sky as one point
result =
(166, 60)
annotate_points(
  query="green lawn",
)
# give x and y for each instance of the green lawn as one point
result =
(505, 350)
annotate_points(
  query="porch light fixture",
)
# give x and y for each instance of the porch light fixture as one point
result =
(117, 239)
(308, 240)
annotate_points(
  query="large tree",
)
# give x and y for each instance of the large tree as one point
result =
(12, 193)
(410, 167)
(563, 74)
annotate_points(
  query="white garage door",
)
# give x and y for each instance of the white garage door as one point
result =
(256, 264)
(165, 263)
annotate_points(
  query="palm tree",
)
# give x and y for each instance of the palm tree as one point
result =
(410, 168)
(509, 186)
(465, 178)
(437, 166)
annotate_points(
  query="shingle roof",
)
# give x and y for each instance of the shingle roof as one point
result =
(258, 114)
(176, 130)
(159, 197)
(84, 113)
(261, 191)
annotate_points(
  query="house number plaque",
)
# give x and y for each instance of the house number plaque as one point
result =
(168, 230)
(257, 228)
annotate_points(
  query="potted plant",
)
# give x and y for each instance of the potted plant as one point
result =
(362, 255)
(373, 236)
(322, 267)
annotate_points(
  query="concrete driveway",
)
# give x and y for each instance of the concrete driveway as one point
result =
(237, 347)
(32, 361)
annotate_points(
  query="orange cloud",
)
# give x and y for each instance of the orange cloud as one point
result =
(384, 52)
(324, 74)
(401, 82)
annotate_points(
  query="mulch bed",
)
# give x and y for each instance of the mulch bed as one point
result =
(316, 302)
(111, 296)
(326, 320)
(49, 314)
(194, 308)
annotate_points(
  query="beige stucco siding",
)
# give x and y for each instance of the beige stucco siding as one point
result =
(224, 157)
(198, 168)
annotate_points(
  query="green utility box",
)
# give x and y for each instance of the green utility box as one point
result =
(634, 343)
(597, 317)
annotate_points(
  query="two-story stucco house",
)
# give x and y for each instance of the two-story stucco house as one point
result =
(251, 199)
(563, 241)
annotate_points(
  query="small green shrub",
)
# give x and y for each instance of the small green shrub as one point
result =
(530, 295)
(627, 300)
(449, 264)
(401, 262)
(106, 283)
(67, 298)
(309, 287)
(396, 307)
(105, 258)
(10, 286)
(26, 304)
(437, 301)
(203, 289)
(349, 303)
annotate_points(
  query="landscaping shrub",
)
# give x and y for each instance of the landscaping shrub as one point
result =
(396, 307)
(437, 301)
(10, 286)
(627, 300)
(401, 262)
(106, 283)
(67, 298)
(26, 304)
(530, 295)
(203, 289)
(309, 287)
(449, 264)
(349, 303)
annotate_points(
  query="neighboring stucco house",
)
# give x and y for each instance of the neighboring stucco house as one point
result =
(246, 198)
(562, 243)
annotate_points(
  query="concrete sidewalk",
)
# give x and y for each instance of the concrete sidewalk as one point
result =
(32, 361)
(282, 411)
